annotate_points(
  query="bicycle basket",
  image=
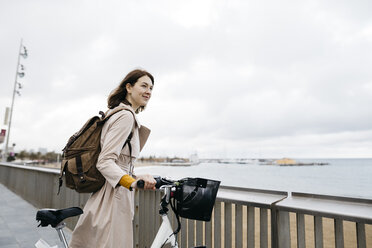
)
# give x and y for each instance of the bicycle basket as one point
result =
(195, 198)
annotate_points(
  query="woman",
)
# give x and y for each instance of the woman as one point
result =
(108, 214)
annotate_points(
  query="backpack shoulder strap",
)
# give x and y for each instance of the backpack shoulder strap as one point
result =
(114, 111)
(118, 109)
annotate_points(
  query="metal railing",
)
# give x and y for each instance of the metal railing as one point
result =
(335, 221)
(241, 217)
(261, 218)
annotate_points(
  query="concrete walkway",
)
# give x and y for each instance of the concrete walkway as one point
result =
(18, 225)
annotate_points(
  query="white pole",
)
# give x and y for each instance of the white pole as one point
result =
(11, 109)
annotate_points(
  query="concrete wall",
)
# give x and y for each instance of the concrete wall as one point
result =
(39, 186)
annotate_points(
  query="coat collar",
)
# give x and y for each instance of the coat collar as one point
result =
(143, 131)
(127, 107)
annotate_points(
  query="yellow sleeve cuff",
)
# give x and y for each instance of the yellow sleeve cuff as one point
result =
(126, 181)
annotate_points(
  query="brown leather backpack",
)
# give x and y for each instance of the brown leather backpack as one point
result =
(81, 153)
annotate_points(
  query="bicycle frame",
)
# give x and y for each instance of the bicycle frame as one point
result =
(165, 234)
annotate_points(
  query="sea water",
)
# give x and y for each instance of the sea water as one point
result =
(341, 177)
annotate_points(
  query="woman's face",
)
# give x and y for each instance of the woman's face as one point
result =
(140, 93)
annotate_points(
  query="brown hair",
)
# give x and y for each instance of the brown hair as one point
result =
(119, 94)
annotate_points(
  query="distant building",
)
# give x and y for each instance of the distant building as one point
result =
(285, 161)
(194, 158)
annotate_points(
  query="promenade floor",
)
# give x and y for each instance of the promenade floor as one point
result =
(18, 226)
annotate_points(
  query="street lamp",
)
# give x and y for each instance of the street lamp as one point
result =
(17, 86)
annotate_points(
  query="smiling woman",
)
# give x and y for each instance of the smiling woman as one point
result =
(108, 214)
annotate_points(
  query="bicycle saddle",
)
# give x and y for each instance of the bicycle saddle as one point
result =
(55, 216)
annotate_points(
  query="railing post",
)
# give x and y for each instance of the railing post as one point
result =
(284, 237)
(318, 231)
(300, 219)
(263, 228)
(238, 225)
(136, 220)
(339, 233)
(147, 228)
(208, 233)
(277, 224)
(184, 232)
(199, 233)
(361, 235)
(190, 233)
(228, 224)
(217, 224)
(251, 227)
(141, 217)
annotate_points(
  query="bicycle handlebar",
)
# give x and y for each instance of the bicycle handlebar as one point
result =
(159, 182)
(140, 184)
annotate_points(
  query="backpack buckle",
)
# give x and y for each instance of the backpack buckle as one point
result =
(82, 179)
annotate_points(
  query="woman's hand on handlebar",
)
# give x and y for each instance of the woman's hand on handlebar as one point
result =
(148, 182)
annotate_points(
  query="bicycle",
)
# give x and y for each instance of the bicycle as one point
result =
(191, 198)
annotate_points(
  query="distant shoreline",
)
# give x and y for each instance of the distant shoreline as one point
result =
(58, 165)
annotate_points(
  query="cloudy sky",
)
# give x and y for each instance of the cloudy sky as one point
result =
(232, 78)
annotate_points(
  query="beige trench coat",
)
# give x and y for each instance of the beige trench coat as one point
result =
(108, 213)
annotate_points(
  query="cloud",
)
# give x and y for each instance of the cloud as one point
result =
(239, 78)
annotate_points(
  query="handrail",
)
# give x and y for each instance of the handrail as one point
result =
(346, 208)
(250, 197)
(28, 167)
